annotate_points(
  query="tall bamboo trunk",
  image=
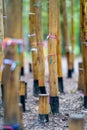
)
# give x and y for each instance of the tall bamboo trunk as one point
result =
(66, 39)
(84, 46)
(11, 76)
(52, 55)
(33, 44)
(72, 32)
(1, 40)
(59, 56)
(39, 36)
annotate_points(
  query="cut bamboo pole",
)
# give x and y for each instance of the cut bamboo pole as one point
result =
(76, 122)
(33, 44)
(84, 46)
(72, 33)
(11, 81)
(52, 55)
(43, 108)
(59, 56)
(39, 37)
(66, 39)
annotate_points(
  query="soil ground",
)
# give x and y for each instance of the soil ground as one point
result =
(71, 102)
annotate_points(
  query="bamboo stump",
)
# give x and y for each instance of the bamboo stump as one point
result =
(76, 122)
(43, 108)
(81, 77)
(22, 92)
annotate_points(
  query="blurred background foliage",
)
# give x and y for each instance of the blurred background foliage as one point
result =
(26, 4)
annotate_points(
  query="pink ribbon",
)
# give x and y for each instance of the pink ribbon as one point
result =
(51, 36)
(10, 41)
(8, 127)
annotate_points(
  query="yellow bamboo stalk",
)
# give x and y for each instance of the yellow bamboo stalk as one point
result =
(84, 47)
(11, 81)
(33, 43)
(59, 56)
(39, 36)
(52, 55)
(66, 39)
(72, 32)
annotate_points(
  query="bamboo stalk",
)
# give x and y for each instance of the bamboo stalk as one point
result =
(43, 107)
(22, 91)
(52, 55)
(33, 44)
(59, 56)
(11, 81)
(84, 46)
(39, 37)
(81, 77)
(4, 17)
(66, 39)
(76, 122)
(72, 32)
(1, 40)
(17, 32)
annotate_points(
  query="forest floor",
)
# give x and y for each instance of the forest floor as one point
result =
(71, 102)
